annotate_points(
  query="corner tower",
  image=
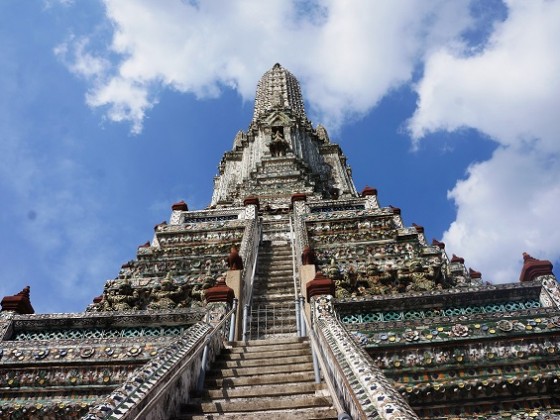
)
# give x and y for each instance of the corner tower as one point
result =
(281, 154)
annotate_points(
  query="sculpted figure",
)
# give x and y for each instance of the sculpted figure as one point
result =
(333, 270)
(278, 145)
(308, 256)
(123, 298)
(165, 295)
(234, 261)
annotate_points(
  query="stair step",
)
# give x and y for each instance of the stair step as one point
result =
(259, 293)
(274, 267)
(249, 391)
(271, 342)
(280, 318)
(276, 250)
(280, 315)
(268, 278)
(264, 274)
(277, 378)
(240, 363)
(259, 370)
(278, 261)
(262, 404)
(274, 299)
(274, 289)
(273, 296)
(264, 332)
(227, 355)
(276, 255)
(275, 284)
(297, 414)
(268, 348)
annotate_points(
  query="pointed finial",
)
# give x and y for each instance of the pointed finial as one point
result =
(533, 268)
(19, 303)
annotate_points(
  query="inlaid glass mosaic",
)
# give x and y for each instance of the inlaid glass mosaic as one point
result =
(390, 316)
(72, 334)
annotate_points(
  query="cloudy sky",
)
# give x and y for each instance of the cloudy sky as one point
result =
(110, 111)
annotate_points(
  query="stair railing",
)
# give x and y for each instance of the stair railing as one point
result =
(365, 390)
(319, 365)
(204, 364)
(249, 278)
(295, 280)
(142, 395)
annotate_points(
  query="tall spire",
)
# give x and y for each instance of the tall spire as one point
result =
(278, 89)
(281, 154)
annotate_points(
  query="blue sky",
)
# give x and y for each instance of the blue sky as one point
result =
(111, 111)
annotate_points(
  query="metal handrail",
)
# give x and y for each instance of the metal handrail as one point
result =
(318, 355)
(304, 328)
(248, 286)
(295, 280)
(293, 246)
(179, 370)
(255, 259)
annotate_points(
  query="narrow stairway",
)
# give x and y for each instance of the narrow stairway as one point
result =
(270, 379)
(273, 307)
(271, 375)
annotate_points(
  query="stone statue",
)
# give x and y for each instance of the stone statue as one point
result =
(308, 256)
(279, 145)
(234, 261)
(165, 295)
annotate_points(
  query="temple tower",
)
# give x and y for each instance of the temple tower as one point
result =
(281, 153)
(290, 296)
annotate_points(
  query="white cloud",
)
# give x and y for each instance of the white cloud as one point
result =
(506, 206)
(511, 91)
(347, 57)
(74, 53)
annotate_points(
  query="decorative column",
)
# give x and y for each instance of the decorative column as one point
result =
(177, 210)
(319, 286)
(307, 267)
(6, 329)
(221, 292)
(541, 270)
(370, 194)
(397, 219)
(298, 203)
(421, 236)
(316, 286)
(251, 204)
(234, 280)
(534, 268)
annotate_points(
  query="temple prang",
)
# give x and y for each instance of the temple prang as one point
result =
(400, 330)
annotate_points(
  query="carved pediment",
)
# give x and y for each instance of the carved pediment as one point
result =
(278, 118)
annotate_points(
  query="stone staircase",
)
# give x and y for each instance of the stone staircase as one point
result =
(273, 307)
(272, 375)
(270, 379)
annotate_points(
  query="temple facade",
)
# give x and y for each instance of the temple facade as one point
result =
(292, 295)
